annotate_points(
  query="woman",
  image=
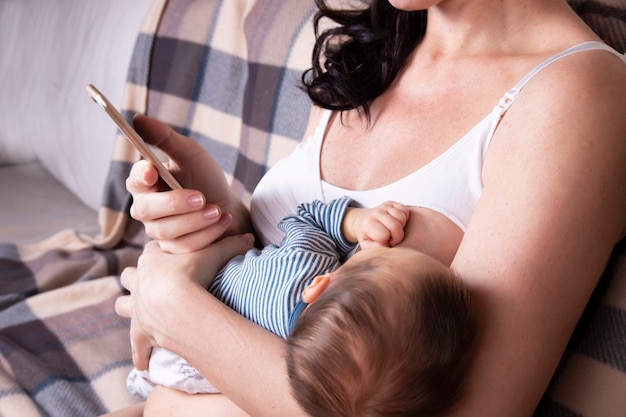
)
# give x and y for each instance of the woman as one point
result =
(543, 209)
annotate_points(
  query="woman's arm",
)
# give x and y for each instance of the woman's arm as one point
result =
(170, 307)
(168, 402)
(552, 209)
(170, 218)
(245, 362)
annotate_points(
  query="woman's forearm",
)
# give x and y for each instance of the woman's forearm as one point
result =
(170, 402)
(244, 361)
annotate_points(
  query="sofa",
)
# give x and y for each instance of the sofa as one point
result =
(226, 73)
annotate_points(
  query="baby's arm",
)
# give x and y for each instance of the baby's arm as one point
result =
(379, 226)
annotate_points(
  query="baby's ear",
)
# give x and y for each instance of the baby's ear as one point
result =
(316, 288)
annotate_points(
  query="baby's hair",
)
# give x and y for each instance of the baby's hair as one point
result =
(369, 347)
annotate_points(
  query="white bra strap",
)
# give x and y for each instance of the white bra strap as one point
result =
(510, 95)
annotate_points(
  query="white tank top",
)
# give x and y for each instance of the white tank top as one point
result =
(450, 184)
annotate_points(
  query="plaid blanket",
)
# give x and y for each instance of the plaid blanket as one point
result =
(223, 72)
(226, 73)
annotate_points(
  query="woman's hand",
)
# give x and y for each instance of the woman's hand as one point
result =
(185, 220)
(161, 279)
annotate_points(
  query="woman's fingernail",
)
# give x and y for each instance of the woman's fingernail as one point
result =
(226, 219)
(212, 213)
(196, 200)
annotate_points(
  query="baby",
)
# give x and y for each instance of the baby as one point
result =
(389, 333)
(390, 317)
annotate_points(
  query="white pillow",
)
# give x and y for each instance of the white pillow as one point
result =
(49, 51)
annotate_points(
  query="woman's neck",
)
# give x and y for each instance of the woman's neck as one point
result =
(460, 28)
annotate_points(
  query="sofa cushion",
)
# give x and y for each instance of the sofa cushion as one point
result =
(50, 51)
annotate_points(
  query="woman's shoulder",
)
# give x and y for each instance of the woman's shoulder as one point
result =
(585, 90)
(566, 131)
(591, 73)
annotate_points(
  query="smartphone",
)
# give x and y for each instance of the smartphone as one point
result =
(133, 137)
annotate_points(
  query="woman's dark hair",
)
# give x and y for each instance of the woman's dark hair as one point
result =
(356, 59)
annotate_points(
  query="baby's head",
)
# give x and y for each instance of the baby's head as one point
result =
(388, 334)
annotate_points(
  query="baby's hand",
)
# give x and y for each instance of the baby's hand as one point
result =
(376, 227)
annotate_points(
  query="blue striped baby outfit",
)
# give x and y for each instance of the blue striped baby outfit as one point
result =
(266, 285)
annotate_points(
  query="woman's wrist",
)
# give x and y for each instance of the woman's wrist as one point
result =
(241, 216)
(171, 309)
